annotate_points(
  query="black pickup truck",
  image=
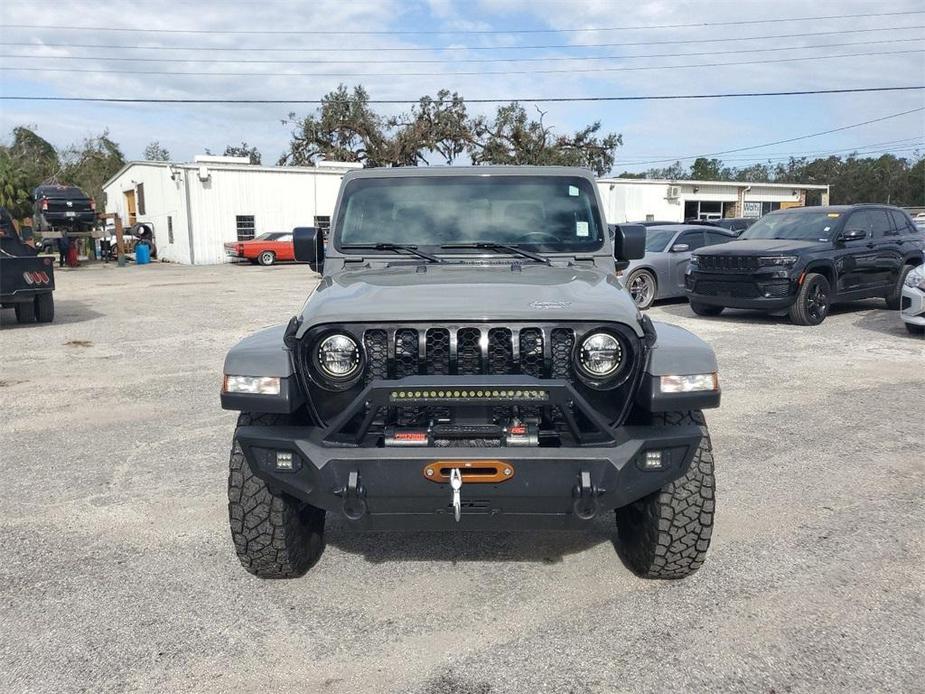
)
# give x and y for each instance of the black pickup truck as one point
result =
(27, 279)
(798, 262)
(62, 208)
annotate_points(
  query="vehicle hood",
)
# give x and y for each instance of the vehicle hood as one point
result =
(470, 293)
(762, 246)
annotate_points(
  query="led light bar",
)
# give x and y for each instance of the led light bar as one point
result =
(253, 385)
(694, 383)
(468, 395)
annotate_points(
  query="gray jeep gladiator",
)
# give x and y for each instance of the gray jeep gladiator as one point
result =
(469, 359)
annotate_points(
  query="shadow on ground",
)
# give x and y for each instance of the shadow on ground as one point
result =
(66, 311)
(547, 547)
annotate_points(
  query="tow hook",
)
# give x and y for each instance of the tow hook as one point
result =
(354, 497)
(585, 505)
(456, 486)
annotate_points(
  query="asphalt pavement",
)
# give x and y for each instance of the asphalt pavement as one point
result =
(117, 571)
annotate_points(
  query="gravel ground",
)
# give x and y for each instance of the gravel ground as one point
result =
(117, 571)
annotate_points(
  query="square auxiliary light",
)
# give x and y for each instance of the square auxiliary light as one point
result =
(468, 395)
(653, 460)
(284, 460)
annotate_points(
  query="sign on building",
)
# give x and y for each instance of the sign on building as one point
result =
(751, 209)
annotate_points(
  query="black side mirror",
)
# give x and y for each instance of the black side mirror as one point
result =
(629, 243)
(308, 244)
(853, 235)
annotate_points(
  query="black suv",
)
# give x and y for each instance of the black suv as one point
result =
(62, 208)
(800, 261)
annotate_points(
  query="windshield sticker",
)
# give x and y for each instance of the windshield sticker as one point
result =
(581, 229)
(573, 191)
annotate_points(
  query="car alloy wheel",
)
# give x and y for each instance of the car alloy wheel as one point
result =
(817, 303)
(267, 258)
(642, 289)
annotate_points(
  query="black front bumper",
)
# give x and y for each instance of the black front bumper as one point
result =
(386, 488)
(769, 290)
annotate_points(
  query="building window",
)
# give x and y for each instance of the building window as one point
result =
(169, 229)
(140, 192)
(323, 224)
(245, 225)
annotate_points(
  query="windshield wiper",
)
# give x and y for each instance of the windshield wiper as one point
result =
(395, 247)
(490, 246)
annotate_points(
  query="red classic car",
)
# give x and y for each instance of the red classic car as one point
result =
(265, 249)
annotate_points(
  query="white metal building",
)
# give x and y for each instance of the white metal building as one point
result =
(195, 208)
(634, 199)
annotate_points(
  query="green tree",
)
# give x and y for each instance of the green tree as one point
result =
(35, 157)
(243, 150)
(14, 189)
(347, 128)
(154, 152)
(512, 137)
(91, 163)
(704, 169)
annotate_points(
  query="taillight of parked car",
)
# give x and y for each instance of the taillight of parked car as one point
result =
(44, 204)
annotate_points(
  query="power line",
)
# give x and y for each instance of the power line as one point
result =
(455, 60)
(456, 32)
(821, 154)
(777, 142)
(537, 100)
(444, 75)
(380, 49)
(892, 143)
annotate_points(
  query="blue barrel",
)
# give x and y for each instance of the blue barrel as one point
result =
(142, 254)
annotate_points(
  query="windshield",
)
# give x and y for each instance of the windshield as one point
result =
(544, 213)
(803, 226)
(270, 236)
(657, 240)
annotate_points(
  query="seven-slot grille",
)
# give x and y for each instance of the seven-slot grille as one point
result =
(533, 351)
(731, 263)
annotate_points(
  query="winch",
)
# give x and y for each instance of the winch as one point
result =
(515, 433)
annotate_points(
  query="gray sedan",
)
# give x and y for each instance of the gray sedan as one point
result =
(660, 274)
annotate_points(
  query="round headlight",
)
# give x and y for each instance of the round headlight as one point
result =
(600, 355)
(338, 356)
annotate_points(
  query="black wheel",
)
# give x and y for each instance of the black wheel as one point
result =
(895, 297)
(915, 329)
(642, 287)
(275, 535)
(667, 534)
(706, 309)
(25, 312)
(812, 302)
(266, 258)
(45, 307)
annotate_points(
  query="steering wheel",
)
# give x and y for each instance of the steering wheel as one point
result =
(544, 236)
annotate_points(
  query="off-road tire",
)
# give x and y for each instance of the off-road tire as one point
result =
(802, 311)
(648, 277)
(895, 297)
(666, 534)
(45, 307)
(706, 309)
(275, 535)
(25, 312)
(266, 258)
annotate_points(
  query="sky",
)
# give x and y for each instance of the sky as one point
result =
(451, 42)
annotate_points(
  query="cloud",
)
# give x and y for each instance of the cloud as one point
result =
(650, 128)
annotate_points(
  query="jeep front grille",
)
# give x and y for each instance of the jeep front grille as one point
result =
(468, 351)
(728, 263)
